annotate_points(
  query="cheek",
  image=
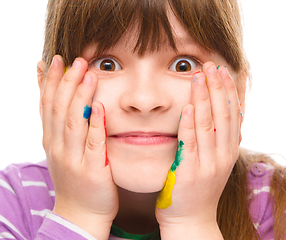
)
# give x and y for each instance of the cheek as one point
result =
(106, 93)
(181, 92)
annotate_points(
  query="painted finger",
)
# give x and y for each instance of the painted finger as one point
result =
(220, 107)
(76, 127)
(95, 156)
(64, 96)
(51, 84)
(186, 156)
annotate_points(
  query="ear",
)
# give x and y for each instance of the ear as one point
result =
(41, 67)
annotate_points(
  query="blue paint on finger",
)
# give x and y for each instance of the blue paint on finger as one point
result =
(87, 112)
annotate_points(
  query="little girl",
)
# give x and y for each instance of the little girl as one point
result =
(142, 103)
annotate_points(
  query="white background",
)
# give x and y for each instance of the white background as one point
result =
(22, 34)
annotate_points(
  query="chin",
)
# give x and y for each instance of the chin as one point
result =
(136, 183)
(141, 171)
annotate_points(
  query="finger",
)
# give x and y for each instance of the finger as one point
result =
(186, 160)
(204, 125)
(95, 156)
(220, 107)
(76, 127)
(51, 84)
(64, 96)
(234, 105)
(187, 150)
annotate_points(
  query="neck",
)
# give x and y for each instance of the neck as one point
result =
(136, 212)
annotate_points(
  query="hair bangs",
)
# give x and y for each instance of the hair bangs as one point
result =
(104, 23)
(73, 25)
(147, 17)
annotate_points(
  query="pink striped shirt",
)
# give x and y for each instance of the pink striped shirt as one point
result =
(27, 197)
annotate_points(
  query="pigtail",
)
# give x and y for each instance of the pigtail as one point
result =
(233, 213)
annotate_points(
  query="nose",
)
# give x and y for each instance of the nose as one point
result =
(145, 93)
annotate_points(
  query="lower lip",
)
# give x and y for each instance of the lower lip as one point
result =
(140, 140)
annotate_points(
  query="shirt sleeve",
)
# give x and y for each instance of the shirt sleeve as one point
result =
(26, 201)
(14, 220)
(56, 227)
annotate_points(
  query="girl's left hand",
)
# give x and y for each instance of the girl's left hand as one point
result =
(208, 142)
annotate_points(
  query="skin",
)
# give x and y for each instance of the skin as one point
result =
(144, 95)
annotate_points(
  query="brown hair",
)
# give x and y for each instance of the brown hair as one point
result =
(215, 25)
(74, 24)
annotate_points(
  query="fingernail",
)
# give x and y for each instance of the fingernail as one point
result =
(190, 111)
(218, 67)
(95, 110)
(202, 81)
(87, 79)
(76, 64)
(54, 61)
(225, 71)
(212, 70)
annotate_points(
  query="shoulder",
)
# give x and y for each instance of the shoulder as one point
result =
(27, 195)
(26, 181)
(26, 175)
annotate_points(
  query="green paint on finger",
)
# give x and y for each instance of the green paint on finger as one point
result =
(179, 156)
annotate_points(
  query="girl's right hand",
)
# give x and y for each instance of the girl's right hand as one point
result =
(85, 193)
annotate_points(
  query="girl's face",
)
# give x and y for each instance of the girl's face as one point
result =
(143, 98)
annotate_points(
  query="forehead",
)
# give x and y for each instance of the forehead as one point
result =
(180, 36)
(184, 43)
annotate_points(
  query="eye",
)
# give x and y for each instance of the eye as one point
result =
(107, 64)
(183, 65)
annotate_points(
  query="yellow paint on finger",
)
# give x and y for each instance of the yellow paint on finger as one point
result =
(164, 199)
(65, 70)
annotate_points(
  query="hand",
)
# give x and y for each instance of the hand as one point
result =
(85, 193)
(208, 141)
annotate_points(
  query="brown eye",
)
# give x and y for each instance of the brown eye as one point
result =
(107, 64)
(183, 65)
